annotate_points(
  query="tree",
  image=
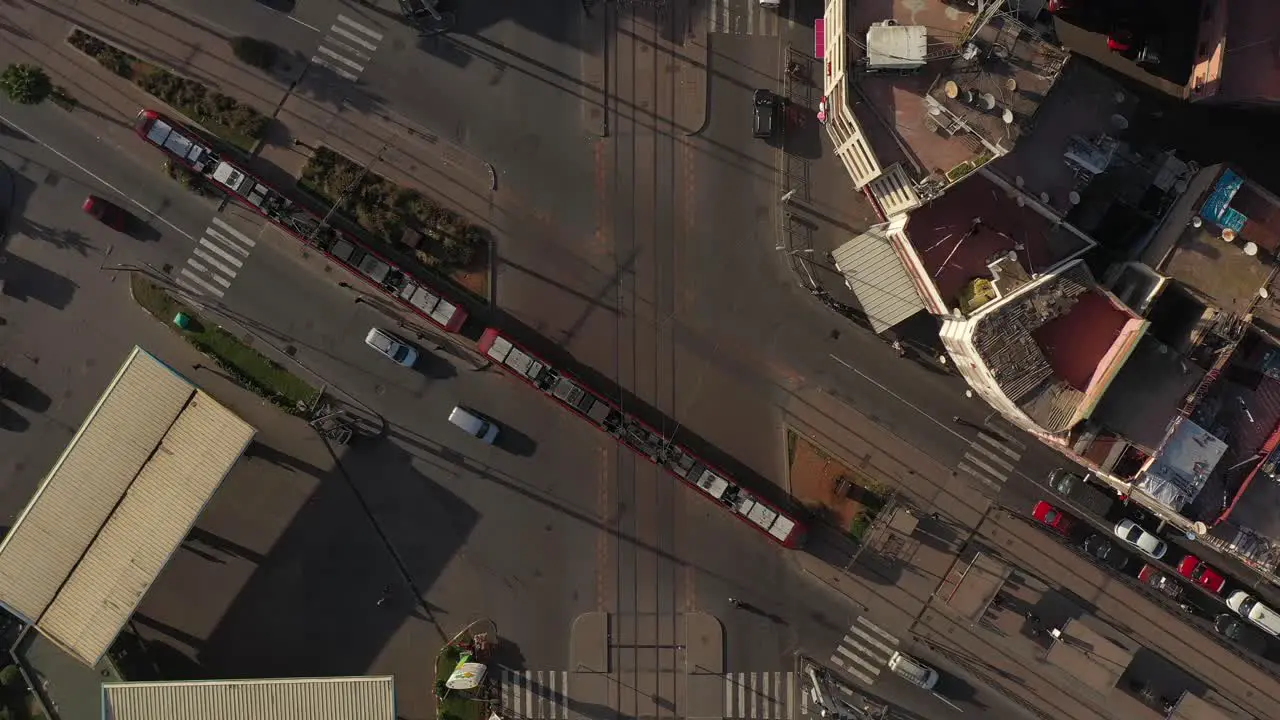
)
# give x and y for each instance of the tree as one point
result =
(26, 84)
(255, 52)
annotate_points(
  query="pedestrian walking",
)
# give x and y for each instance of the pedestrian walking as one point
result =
(898, 348)
(386, 595)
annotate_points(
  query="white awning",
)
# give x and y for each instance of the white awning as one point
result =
(339, 698)
(876, 275)
(116, 505)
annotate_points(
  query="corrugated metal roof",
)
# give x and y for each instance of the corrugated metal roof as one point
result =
(351, 698)
(875, 274)
(147, 526)
(79, 494)
(117, 504)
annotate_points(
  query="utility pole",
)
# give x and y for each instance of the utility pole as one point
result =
(346, 192)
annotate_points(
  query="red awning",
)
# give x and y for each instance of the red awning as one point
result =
(819, 38)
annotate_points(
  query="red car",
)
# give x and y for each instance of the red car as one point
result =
(1201, 574)
(1053, 517)
(107, 213)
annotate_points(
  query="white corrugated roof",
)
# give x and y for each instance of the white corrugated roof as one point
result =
(876, 275)
(349, 698)
(117, 503)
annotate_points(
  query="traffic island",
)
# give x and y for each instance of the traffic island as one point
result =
(407, 223)
(832, 491)
(237, 124)
(465, 688)
(244, 365)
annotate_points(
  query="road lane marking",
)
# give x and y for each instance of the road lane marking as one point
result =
(349, 63)
(199, 282)
(222, 254)
(853, 672)
(96, 177)
(239, 235)
(226, 241)
(742, 692)
(861, 633)
(528, 694)
(346, 48)
(305, 25)
(857, 659)
(317, 60)
(362, 28)
(209, 259)
(791, 697)
(212, 275)
(1001, 446)
(978, 461)
(354, 38)
(876, 629)
(728, 695)
(996, 459)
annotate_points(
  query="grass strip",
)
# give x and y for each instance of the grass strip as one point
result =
(249, 367)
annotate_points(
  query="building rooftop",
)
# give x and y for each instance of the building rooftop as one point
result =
(1245, 45)
(1056, 346)
(959, 235)
(949, 115)
(1085, 104)
(1147, 393)
(1220, 242)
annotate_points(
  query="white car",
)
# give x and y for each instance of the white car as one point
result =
(392, 346)
(1128, 531)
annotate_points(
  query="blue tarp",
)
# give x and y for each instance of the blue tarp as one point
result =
(1217, 207)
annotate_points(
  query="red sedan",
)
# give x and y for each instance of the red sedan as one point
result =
(1201, 574)
(107, 213)
(1053, 517)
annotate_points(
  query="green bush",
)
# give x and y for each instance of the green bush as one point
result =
(11, 678)
(26, 84)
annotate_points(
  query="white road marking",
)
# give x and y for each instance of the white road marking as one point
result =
(978, 461)
(852, 671)
(362, 28)
(876, 629)
(330, 41)
(354, 38)
(1013, 454)
(222, 254)
(863, 634)
(226, 241)
(998, 460)
(212, 275)
(95, 176)
(345, 61)
(200, 282)
(305, 25)
(874, 670)
(317, 60)
(209, 259)
(239, 235)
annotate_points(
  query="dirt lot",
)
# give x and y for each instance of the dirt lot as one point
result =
(830, 489)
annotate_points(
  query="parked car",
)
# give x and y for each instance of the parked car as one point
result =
(107, 213)
(764, 114)
(1132, 533)
(392, 346)
(1080, 491)
(1053, 517)
(1248, 607)
(1199, 572)
(1106, 552)
(1160, 581)
(474, 424)
(913, 671)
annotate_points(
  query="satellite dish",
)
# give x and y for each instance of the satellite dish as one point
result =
(1074, 197)
(1020, 200)
(1119, 122)
(971, 96)
(951, 89)
(1007, 116)
(1197, 221)
(1011, 84)
(1200, 528)
(935, 110)
(1228, 234)
(1250, 249)
(1019, 181)
(988, 101)
(1119, 96)
(1264, 293)
(1181, 187)
(1044, 198)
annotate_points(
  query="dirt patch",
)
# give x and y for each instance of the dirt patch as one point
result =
(831, 490)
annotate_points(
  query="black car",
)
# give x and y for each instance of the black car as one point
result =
(1237, 630)
(764, 114)
(1080, 491)
(1106, 552)
(428, 16)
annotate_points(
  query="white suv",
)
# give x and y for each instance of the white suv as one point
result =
(392, 346)
(1129, 531)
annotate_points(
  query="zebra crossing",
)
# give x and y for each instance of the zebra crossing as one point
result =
(217, 258)
(764, 696)
(536, 694)
(864, 651)
(747, 17)
(991, 457)
(347, 48)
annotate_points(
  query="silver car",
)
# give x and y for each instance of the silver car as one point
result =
(392, 346)
(1130, 532)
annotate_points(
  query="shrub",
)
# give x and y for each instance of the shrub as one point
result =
(255, 52)
(26, 84)
(11, 677)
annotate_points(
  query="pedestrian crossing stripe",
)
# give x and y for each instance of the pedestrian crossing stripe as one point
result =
(990, 460)
(338, 51)
(764, 696)
(864, 651)
(216, 259)
(746, 17)
(536, 694)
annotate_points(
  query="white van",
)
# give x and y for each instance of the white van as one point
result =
(771, 4)
(1255, 612)
(474, 424)
(913, 671)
